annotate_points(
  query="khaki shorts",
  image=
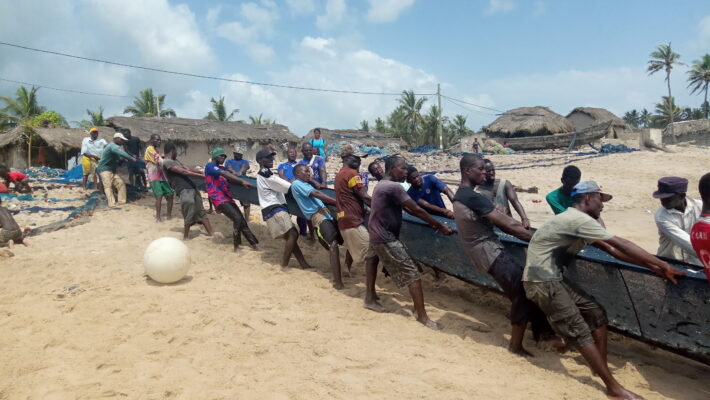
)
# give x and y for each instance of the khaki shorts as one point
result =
(357, 241)
(572, 313)
(279, 224)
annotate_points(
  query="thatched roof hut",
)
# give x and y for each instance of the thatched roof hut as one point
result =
(528, 121)
(357, 137)
(197, 137)
(50, 146)
(697, 131)
(584, 117)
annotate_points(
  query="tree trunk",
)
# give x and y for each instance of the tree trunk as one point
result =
(29, 151)
(705, 104)
(670, 101)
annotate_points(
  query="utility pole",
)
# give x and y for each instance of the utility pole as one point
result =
(157, 101)
(438, 122)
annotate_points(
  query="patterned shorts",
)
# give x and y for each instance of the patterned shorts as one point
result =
(7, 235)
(400, 266)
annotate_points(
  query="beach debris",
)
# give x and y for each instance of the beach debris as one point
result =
(531, 189)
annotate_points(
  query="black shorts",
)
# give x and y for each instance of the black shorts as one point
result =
(328, 233)
(509, 274)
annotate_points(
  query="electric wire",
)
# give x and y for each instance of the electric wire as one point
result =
(63, 90)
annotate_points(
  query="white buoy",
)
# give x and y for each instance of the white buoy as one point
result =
(166, 260)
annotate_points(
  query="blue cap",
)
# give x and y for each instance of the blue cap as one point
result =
(590, 187)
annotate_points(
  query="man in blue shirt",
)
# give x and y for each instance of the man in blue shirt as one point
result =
(286, 169)
(316, 163)
(310, 201)
(426, 192)
(239, 166)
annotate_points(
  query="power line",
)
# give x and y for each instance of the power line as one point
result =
(199, 75)
(63, 90)
(471, 104)
(466, 108)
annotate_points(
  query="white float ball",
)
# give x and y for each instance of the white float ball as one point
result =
(166, 260)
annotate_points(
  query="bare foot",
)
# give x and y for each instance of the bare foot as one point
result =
(431, 324)
(374, 306)
(6, 253)
(338, 286)
(623, 394)
(254, 247)
(285, 268)
(520, 351)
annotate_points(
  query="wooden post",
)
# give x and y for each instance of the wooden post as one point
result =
(29, 150)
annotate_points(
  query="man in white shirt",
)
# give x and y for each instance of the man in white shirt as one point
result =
(271, 190)
(675, 219)
(91, 149)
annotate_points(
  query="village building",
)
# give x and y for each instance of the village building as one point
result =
(695, 131)
(585, 117)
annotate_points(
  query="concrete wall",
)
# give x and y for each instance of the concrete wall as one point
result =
(198, 153)
(14, 156)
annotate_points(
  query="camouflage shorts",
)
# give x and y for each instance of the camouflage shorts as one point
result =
(400, 266)
(7, 235)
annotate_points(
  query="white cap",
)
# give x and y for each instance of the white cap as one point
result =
(119, 135)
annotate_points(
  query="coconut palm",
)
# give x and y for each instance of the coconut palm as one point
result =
(96, 118)
(23, 107)
(256, 120)
(663, 115)
(148, 105)
(219, 111)
(380, 125)
(632, 118)
(412, 107)
(699, 79)
(644, 119)
(458, 127)
(663, 58)
(364, 126)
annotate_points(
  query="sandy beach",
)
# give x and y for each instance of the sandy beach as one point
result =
(80, 320)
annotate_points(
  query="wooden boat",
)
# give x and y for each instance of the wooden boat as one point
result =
(558, 140)
(638, 303)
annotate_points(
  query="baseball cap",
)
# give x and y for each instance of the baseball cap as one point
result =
(92, 130)
(590, 187)
(264, 153)
(217, 151)
(349, 150)
(669, 186)
(119, 135)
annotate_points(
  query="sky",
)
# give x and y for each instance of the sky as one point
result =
(499, 54)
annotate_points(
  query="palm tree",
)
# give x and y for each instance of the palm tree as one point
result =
(412, 107)
(663, 115)
(96, 118)
(255, 120)
(380, 125)
(364, 126)
(699, 78)
(644, 118)
(148, 105)
(663, 58)
(23, 107)
(219, 111)
(632, 118)
(458, 126)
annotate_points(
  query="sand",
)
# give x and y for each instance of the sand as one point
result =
(80, 320)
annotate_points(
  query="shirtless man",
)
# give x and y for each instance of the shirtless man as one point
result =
(502, 193)
(10, 232)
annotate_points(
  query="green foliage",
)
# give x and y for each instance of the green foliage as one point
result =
(632, 118)
(663, 115)
(96, 118)
(147, 105)
(380, 125)
(219, 111)
(19, 109)
(699, 79)
(260, 120)
(364, 126)
(47, 119)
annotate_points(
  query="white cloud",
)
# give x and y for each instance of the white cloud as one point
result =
(334, 12)
(703, 40)
(301, 7)
(387, 10)
(252, 29)
(500, 6)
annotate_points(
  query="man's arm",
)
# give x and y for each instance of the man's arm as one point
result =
(556, 207)
(322, 197)
(123, 154)
(509, 225)
(316, 184)
(411, 207)
(432, 208)
(244, 169)
(513, 198)
(675, 234)
(323, 175)
(627, 251)
(361, 193)
(179, 169)
(449, 193)
(234, 179)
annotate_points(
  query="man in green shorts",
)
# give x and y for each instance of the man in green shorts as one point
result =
(158, 183)
(572, 313)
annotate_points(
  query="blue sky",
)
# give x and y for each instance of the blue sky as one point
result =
(495, 53)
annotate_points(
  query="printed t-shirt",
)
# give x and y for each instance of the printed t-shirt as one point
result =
(287, 168)
(110, 157)
(386, 216)
(15, 177)
(476, 232)
(556, 243)
(558, 201)
(153, 159)
(351, 208)
(700, 238)
(430, 191)
(308, 204)
(318, 163)
(178, 182)
(216, 185)
(236, 165)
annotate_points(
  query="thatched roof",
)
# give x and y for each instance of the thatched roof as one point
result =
(698, 127)
(200, 130)
(351, 135)
(58, 138)
(528, 121)
(600, 115)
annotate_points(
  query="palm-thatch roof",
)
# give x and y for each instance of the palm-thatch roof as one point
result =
(200, 130)
(688, 131)
(599, 115)
(528, 121)
(361, 137)
(59, 138)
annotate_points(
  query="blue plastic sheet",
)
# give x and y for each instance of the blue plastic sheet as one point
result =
(74, 173)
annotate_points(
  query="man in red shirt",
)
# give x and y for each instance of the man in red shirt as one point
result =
(700, 234)
(21, 181)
